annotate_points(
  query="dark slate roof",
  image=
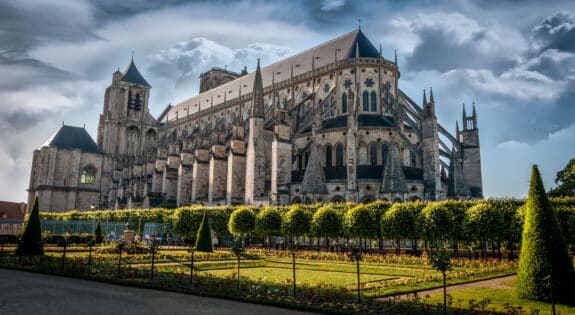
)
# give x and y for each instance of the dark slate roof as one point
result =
(313, 181)
(412, 173)
(316, 57)
(338, 122)
(69, 137)
(375, 121)
(132, 75)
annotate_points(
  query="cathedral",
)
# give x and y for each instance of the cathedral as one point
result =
(329, 124)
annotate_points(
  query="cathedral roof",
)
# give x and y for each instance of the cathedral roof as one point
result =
(313, 179)
(393, 180)
(132, 75)
(70, 138)
(343, 47)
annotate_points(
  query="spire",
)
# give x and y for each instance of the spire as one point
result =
(464, 118)
(424, 99)
(474, 115)
(395, 56)
(357, 49)
(132, 75)
(457, 129)
(431, 100)
(313, 179)
(258, 95)
(380, 51)
(393, 178)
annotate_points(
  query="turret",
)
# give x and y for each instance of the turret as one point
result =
(469, 138)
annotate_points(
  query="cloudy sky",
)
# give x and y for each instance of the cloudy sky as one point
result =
(514, 59)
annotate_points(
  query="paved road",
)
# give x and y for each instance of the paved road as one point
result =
(31, 293)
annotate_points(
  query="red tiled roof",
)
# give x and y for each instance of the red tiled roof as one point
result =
(12, 210)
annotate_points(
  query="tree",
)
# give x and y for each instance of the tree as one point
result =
(437, 223)
(326, 222)
(359, 223)
(402, 222)
(543, 258)
(242, 222)
(98, 238)
(484, 223)
(204, 236)
(441, 261)
(297, 221)
(268, 223)
(31, 241)
(565, 181)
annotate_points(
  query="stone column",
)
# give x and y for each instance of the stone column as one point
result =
(281, 166)
(185, 176)
(200, 176)
(218, 170)
(235, 191)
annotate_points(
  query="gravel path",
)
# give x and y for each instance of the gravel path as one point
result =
(496, 283)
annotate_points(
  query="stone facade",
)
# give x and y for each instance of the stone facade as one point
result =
(328, 124)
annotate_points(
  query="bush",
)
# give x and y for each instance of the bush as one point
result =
(268, 223)
(31, 240)
(98, 238)
(403, 222)
(543, 252)
(327, 222)
(242, 222)
(204, 236)
(484, 223)
(359, 222)
(437, 223)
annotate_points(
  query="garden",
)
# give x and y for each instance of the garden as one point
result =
(331, 258)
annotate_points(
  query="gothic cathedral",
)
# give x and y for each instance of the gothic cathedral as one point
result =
(327, 125)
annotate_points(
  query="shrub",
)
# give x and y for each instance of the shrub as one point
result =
(543, 252)
(268, 223)
(484, 223)
(327, 222)
(204, 236)
(359, 222)
(437, 223)
(31, 240)
(402, 222)
(98, 238)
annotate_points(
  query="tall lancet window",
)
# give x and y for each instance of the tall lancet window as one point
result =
(384, 150)
(328, 156)
(339, 155)
(373, 102)
(344, 103)
(365, 101)
(133, 141)
(373, 154)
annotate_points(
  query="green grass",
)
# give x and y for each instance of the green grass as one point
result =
(309, 277)
(501, 300)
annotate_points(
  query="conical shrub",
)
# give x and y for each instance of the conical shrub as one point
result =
(204, 236)
(544, 263)
(31, 240)
(98, 238)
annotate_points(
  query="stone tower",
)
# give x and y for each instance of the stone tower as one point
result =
(430, 149)
(255, 157)
(127, 133)
(471, 154)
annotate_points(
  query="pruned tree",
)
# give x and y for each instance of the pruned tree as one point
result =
(543, 258)
(327, 222)
(31, 240)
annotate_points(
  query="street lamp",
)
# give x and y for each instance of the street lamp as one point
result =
(153, 247)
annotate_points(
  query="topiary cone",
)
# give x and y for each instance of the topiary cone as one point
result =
(31, 239)
(204, 236)
(543, 251)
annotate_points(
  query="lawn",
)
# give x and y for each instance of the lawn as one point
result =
(307, 277)
(501, 300)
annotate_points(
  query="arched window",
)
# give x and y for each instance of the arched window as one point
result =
(373, 154)
(300, 162)
(306, 159)
(88, 175)
(373, 102)
(344, 103)
(365, 101)
(384, 150)
(328, 153)
(339, 155)
(413, 157)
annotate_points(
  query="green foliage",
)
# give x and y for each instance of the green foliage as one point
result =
(402, 221)
(98, 238)
(186, 221)
(440, 260)
(327, 221)
(511, 220)
(437, 222)
(565, 181)
(484, 222)
(242, 222)
(544, 252)
(359, 222)
(269, 222)
(31, 240)
(297, 221)
(204, 235)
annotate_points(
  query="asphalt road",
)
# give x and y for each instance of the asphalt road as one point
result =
(31, 293)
